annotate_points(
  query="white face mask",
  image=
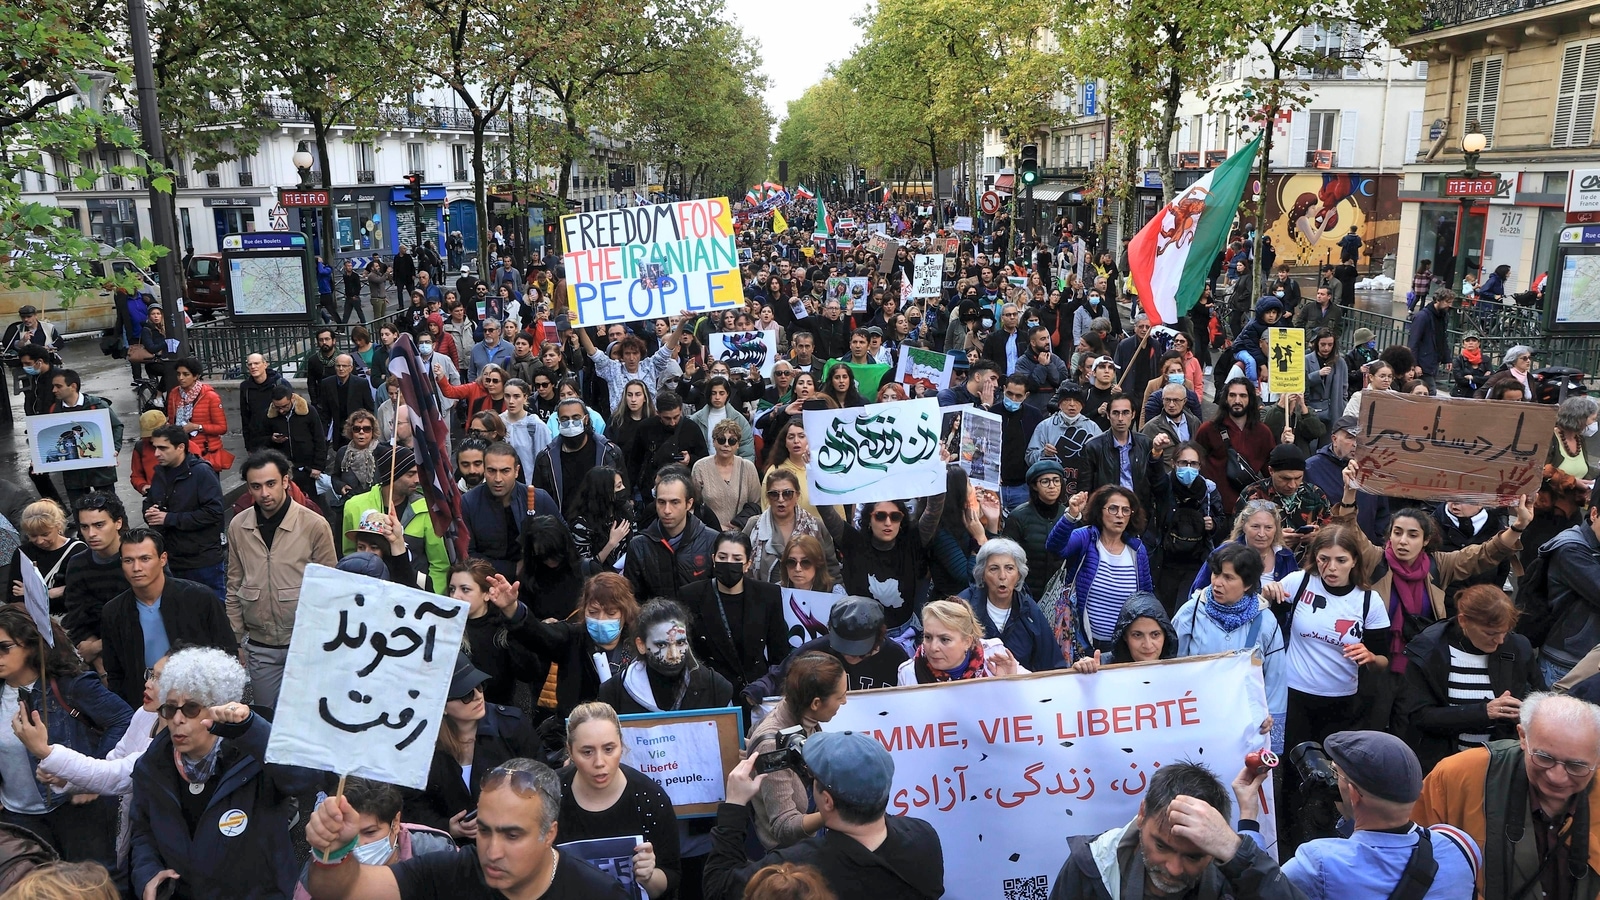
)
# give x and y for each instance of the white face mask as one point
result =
(570, 429)
(425, 349)
(376, 853)
(1590, 429)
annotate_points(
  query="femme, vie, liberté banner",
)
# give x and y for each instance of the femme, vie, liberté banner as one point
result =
(1006, 769)
(651, 262)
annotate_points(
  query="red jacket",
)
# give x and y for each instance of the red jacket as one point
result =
(477, 398)
(1254, 444)
(144, 464)
(209, 418)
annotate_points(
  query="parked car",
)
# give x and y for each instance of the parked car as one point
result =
(204, 292)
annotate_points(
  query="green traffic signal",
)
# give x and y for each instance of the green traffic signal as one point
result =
(1030, 176)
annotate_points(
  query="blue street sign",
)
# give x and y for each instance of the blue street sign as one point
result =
(1088, 98)
(265, 240)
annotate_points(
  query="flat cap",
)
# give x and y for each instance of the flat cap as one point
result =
(1379, 764)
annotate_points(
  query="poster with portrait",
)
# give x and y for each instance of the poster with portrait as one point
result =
(980, 447)
(860, 288)
(69, 441)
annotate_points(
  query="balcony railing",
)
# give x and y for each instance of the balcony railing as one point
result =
(1438, 14)
(366, 177)
(463, 175)
(213, 179)
(246, 179)
(391, 115)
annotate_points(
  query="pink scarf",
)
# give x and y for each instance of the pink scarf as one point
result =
(1408, 594)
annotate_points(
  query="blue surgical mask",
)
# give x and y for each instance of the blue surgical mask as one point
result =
(425, 349)
(604, 631)
(1010, 404)
(30, 370)
(1174, 378)
(1187, 474)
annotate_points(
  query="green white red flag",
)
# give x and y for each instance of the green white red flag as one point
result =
(824, 227)
(1170, 257)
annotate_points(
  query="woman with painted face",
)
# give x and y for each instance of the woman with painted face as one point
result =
(576, 646)
(667, 675)
(475, 736)
(813, 692)
(602, 797)
(738, 622)
(384, 839)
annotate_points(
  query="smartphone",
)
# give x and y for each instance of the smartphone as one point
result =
(1305, 529)
(469, 817)
(25, 700)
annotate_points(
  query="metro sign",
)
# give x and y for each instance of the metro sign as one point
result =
(302, 199)
(1476, 186)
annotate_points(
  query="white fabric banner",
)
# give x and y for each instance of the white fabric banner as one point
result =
(366, 678)
(1006, 769)
(743, 349)
(929, 274)
(881, 451)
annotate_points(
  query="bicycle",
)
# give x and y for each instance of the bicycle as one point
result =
(148, 393)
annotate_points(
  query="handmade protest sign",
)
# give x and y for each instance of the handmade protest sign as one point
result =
(743, 349)
(859, 286)
(1286, 360)
(806, 612)
(881, 451)
(68, 441)
(1485, 452)
(980, 447)
(881, 244)
(961, 223)
(689, 754)
(995, 764)
(929, 368)
(651, 262)
(368, 669)
(927, 275)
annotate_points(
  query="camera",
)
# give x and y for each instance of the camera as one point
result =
(1316, 770)
(790, 742)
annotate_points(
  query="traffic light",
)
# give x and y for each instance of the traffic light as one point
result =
(414, 185)
(1028, 170)
(861, 176)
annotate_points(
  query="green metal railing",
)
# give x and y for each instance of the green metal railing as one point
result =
(223, 344)
(1497, 332)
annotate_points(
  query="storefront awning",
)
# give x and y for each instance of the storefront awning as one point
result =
(1050, 193)
(1003, 182)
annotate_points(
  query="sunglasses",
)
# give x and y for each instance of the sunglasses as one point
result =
(360, 429)
(190, 710)
(786, 494)
(893, 517)
(727, 442)
(800, 563)
(96, 500)
(522, 783)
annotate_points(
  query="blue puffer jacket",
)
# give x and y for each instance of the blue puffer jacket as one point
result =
(254, 859)
(1250, 335)
(88, 705)
(1027, 635)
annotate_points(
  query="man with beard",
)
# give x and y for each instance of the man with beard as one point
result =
(497, 512)
(1178, 846)
(561, 466)
(469, 463)
(1325, 469)
(1045, 370)
(1237, 427)
(666, 675)
(1138, 356)
(1062, 437)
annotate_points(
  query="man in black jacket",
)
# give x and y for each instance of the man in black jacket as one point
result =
(319, 362)
(342, 393)
(1017, 422)
(1129, 458)
(297, 431)
(185, 503)
(255, 396)
(674, 550)
(863, 853)
(668, 438)
(559, 469)
(142, 623)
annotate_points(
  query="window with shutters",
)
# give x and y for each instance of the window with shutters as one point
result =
(1321, 133)
(1575, 95)
(1483, 94)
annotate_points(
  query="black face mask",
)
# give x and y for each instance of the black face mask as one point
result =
(661, 667)
(728, 573)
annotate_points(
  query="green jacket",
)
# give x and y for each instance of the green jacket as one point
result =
(419, 528)
(1499, 873)
(106, 476)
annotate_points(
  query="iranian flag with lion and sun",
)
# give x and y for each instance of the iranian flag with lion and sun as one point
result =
(1169, 258)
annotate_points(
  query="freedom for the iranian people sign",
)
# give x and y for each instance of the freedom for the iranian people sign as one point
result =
(366, 677)
(651, 262)
(881, 451)
(1006, 769)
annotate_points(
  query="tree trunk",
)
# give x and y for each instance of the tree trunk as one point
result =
(1169, 121)
(480, 196)
(329, 244)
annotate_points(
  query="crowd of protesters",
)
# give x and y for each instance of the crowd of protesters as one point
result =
(634, 508)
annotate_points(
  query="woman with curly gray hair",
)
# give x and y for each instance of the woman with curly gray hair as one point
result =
(206, 806)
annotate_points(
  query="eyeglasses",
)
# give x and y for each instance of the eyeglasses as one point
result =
(1120, 510)
(893, 517)
(786, 494)
(8, 646)
(1574, 768)
(727, 442)
(360, 429)
(800, 563)
(479, 432)
(1048, 481)
(190, 710)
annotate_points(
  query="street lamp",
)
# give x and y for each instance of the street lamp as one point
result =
(1472, 144)
(302, 160)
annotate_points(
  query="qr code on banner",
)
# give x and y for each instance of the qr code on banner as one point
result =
(1035, 888)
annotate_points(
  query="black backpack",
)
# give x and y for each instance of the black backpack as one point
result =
(1533, 598)
(1186, 538)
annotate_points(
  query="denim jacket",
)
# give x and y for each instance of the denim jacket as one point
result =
(89, 706)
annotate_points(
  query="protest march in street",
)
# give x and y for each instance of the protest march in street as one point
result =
(780, 547)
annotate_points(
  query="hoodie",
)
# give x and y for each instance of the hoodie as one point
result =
(1143, 605)
(1076, 432)
(1249, 339)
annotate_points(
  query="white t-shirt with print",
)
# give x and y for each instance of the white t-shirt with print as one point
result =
(1323, 624)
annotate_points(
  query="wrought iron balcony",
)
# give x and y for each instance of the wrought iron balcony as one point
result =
(366, 176)
(1438, 14)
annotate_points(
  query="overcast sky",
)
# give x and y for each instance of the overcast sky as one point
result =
(797, 42)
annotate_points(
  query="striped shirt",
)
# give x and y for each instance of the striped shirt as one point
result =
(1115, 581)
(1469, 685)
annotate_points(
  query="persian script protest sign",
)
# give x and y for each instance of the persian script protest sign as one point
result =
(1286, 360)
(806, 613)
(651, 262)
(743, 349)
(1487, 452)
(993, 764)
(929, 368)
(881, 451)
(370, 664)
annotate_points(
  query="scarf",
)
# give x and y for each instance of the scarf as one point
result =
(1408, 594)
(972, 666)
(197, 771)
(1475, 357)
(1230, 617)
(186, 401)
(361, 463)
